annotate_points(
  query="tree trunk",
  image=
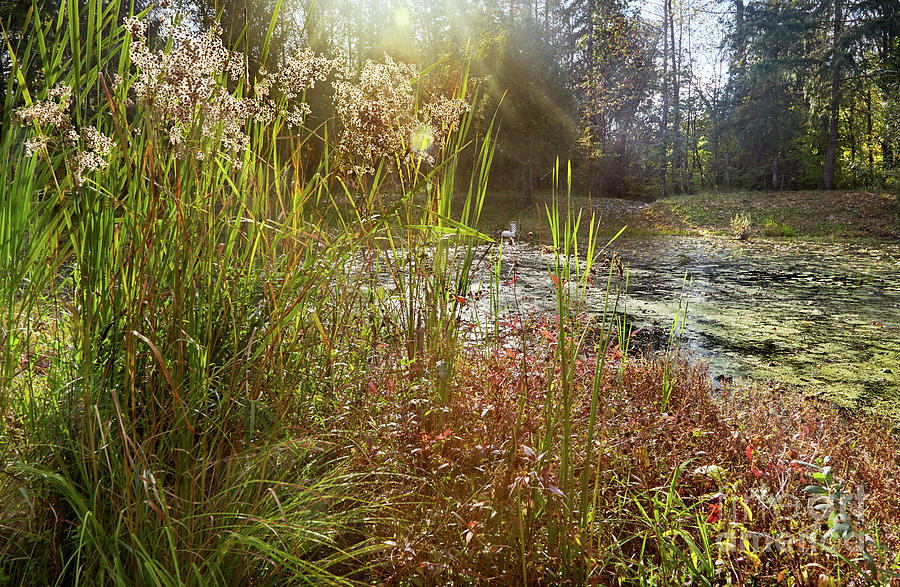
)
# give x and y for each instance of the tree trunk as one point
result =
(727, 171)
(775, 172)
(590, 95)
(590, 59)
(690, 164)
(663, 160)
(834, 107)
(740, 40)
(870, 142)
(677, 171)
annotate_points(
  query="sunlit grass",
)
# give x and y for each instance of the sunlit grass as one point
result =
(807, 214)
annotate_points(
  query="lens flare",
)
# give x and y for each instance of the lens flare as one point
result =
(421, 140)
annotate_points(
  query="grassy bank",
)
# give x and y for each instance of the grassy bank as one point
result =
(819, 215)
(218, 373)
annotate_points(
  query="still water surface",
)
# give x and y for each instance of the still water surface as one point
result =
(823, 316)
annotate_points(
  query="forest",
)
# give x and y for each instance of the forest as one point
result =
(646, 99)
(450, 292)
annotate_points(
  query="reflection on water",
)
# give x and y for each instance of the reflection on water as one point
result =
(823, 316)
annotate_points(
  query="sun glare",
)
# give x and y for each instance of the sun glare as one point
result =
(402, 18)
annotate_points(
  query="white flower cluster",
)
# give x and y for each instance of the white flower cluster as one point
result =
(183, 85)
(443, 113)
(51, 112)
(298, 74)
(187, 92)
(98, 148)
(53, 115)
(37, 144)
(379, 117)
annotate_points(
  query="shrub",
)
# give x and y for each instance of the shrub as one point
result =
(740, 226)
(773, 228)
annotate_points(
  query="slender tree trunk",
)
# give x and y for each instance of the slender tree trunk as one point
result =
(727, 171)
(740, 41)
(698, 163)
(715, 172)
(834, 106)
(590, 95)
(870, 141)
(775, 172)
(851, 135)
(677, 171)
(663, 160)
(690, 163)
(590, 57)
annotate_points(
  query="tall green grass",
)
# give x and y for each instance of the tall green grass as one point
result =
(570, 272)
(197, 317)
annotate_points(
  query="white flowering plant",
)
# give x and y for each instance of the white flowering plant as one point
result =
(54, 131)
(187, 89)
(381, 118)
(196, 95)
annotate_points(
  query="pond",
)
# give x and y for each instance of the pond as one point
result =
(822, 316)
